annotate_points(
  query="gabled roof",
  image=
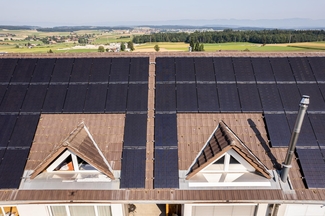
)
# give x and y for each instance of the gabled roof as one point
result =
(81, 143)
(222, 140)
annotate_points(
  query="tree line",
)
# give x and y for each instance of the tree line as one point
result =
(229, 35)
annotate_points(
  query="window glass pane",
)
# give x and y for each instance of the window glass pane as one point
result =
(10, 211)
(104, 210)
(1, 213)
(58, 211)
(82, 210)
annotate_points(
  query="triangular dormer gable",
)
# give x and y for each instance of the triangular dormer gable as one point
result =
(224, 141)
(79, 143)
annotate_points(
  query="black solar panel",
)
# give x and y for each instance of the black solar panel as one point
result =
(318, 124)
(301, 69)
(165, 97)
(2, 153)
(165, 69)
(184, 69)
(24, 70)
(166, 168)
(249, 97)
(95, 98)
(7, 123)
(243, 69)
(75, 99)
(120, 70)
(7, 66)
(55, 98)
(16, 92)
(186, 98)
(278, 129)
(3, 89)
(317, 65)
(135, 130)
(24, 131)
(81, 70)
(281, 69)
(116, 98)
(317, 102)
(43, 70)
(100, 70)
(133, 168)
(313, 167)
(270, 97)
(208, 98)
(62, 70)
(204, 69)
(139, 69)
(262, 69)
(137, 97)
(34, 98)
(165, 130)
(306, 136)
(228, 98)
(224, 69)
(12, 169)
(290, 96)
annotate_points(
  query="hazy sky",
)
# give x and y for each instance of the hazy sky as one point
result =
(101, 12)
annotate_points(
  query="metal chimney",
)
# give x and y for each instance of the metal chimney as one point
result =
(294, 137)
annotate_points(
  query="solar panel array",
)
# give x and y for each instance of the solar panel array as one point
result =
(273, 86)
(30, 87)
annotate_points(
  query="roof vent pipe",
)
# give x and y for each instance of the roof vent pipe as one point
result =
(294, 137)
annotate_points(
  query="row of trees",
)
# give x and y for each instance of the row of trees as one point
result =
(228, 35)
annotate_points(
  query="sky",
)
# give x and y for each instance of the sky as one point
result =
(106, 12)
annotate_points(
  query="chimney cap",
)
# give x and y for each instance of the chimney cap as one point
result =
(304, 100)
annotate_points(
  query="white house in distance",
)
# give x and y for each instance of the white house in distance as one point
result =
(202, 133)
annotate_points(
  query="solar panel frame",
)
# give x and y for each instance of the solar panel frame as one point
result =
(133, 168)
(207, 98)
(281, 69)
(34, 98)
(54, 99)
(120, 69)
(100, 70)
(116, 98)
(24, 131)
(316, 98)
(139, 69)
(137, 97)
(17, 92)
(75, 99)
(95, 98)
(7, 124)
(301, 69)
(24, 70)
(135, 130)
(249, 97)
(278, 129)
(290, 96)
(81, 70)
(185, 70)
(166, 168)
(204, 69)
(165, 98)
(262, 69)
(7, 67)
(317, 65)
(270, 97)
(12, 169)
(186, 98)
(165, 69)
(243, 69)
(62, 70)
(43, 70)
(228, 98)
(224, 69)
(166, 130)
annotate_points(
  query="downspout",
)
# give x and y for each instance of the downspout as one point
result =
(294, 137)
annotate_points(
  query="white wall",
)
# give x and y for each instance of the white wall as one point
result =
(220, 209)
(117, 209)
(34, 210)
(301, 210)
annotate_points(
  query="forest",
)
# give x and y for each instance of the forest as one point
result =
(229, 35)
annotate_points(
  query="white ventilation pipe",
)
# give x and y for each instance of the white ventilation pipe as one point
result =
(294, 137)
